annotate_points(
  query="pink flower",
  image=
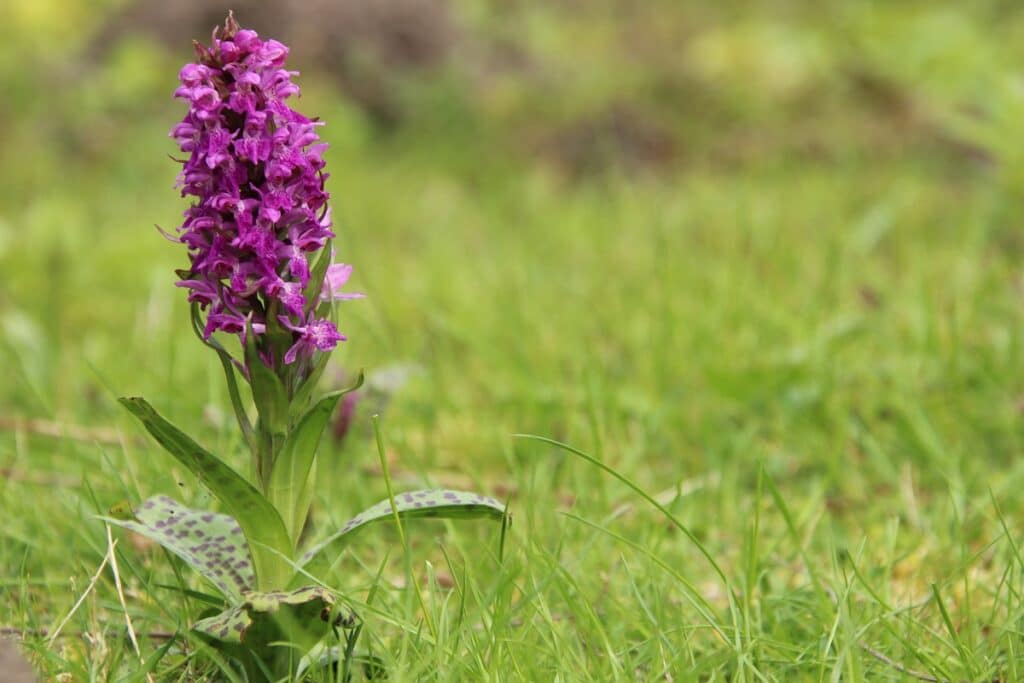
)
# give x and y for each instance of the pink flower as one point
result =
(315, 335)
(255, 173)
(337, 275)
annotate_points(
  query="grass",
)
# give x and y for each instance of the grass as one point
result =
(811, 365)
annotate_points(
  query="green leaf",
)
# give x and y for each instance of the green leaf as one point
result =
(316, 277)
(228, 626)
(259, 520)
(290, 489)
(433, 503)
(212, 544)
(268, 391)
(304, 385)
(300, 617)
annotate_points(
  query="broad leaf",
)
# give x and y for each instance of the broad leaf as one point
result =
(300, 617)
(290, 489)
(228, 626)
(259, 520)
(210, 543)
(433, 503)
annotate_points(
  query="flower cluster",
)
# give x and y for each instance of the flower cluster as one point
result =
(255, 169)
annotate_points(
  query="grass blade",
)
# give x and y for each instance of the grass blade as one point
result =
(643, 494)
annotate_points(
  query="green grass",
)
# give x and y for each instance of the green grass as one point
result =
(812, 362)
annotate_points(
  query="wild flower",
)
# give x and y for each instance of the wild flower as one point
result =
(259, 235)
(255, 171)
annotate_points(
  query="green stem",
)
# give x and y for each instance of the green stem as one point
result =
(229, 375)
(266, 453)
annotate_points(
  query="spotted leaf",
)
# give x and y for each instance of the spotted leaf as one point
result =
(260, 522)
(228, 626)
(210, 543)
(301, 617)
(436, 503)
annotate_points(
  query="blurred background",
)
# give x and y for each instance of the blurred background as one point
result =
(673, 233)
(688, 238)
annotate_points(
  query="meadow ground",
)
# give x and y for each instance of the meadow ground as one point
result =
(799, 333)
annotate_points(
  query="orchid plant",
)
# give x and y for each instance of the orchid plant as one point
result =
(262, 270)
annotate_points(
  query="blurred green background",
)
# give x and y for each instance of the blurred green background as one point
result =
(691, 238)
(560, 190)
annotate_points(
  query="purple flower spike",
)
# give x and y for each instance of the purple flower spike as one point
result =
(255, 171)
